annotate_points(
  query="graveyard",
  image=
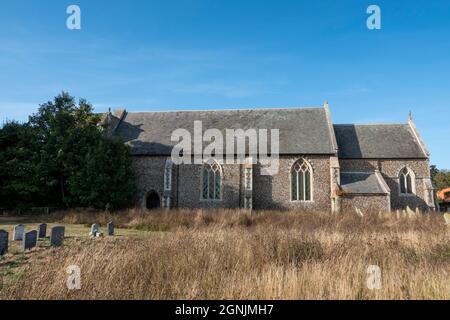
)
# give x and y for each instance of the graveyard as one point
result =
(72, 232)
(227, 254)
(37, 241)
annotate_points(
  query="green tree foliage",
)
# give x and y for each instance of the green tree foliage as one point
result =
(441, 178)
(19, 178)
(62, 158)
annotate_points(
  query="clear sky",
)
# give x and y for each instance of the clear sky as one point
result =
(210, 54)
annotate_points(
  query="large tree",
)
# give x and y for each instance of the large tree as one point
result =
(65, 159)
(441, 178)
(20, 181)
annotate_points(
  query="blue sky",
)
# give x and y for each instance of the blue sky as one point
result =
(170, 55)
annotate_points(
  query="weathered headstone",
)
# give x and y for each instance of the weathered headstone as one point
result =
(447, 218)
(410, 212)
(359, 212)
(95, 230)
(110, 228)
(29, 240)
(57, 236)
(18, 232)
(42, 230)
(3, 242)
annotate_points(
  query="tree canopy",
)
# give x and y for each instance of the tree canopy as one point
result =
(61, 158)
(441, 178)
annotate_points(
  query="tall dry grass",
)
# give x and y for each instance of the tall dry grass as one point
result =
(226, 254)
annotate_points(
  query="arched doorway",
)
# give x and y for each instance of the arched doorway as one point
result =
(153, 200)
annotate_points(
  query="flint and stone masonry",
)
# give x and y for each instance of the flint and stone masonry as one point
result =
(322, 166)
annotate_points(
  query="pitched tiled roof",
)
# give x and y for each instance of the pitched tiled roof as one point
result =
(378, 142)
(363, 183)
(301, 131)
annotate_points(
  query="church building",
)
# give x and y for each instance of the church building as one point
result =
(322, 166)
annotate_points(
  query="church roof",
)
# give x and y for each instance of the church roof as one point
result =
(301, 130)
(363, 183)
(386, 141)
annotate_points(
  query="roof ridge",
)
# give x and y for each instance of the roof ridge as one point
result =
(218, 110)
(368, 124)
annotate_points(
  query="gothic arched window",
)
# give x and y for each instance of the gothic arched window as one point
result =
(301, 181)
(211, 181)
(407, 180)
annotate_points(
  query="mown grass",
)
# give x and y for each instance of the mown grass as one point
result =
(226, 254)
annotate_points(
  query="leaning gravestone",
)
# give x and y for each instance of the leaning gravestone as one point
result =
(29, 240)
(359, 212)
(42, 230)
(3, 242)
(110, 228)
(447, 218)
(95, 230)
(57, 236)
(18, 232)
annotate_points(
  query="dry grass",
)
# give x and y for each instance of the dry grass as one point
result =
(237, 255)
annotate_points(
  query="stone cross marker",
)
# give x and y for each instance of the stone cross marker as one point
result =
(42, 230)
(110, 228)
(18, 232)
(3, 242)
(57, 236)
(95, 230)
(29, 240)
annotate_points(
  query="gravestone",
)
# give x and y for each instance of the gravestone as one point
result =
(3, 242)
(110, 228)
(18, 232)
(95, 231)
(359, 212)
(29, 240)
(42, 230)
(410, 212)
(447, 218)
(57, 236)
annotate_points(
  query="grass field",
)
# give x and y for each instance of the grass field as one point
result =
(227, 254)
